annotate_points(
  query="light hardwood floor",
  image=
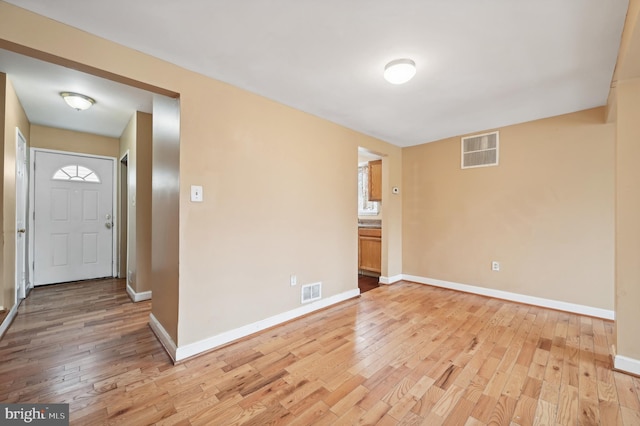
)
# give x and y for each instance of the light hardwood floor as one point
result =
(400, 354)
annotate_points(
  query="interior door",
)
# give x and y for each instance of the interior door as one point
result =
(73, 217)
(21, 215)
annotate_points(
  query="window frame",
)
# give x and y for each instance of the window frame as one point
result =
(365, 207)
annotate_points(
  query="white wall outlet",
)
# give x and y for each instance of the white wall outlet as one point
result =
(196, 193)
(495, 266)
(293, 280)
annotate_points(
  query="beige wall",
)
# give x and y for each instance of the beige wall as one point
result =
(14, 116)
(625, 110)
(136, 140)
(278, 189)
(627, 223)
(71, 141)
(165, 202)
(144, 157)
(545, 213)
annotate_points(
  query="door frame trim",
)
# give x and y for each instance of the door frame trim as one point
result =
(21, 290)
(114, 196)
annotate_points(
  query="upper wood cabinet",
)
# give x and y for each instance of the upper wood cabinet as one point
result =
(375, 180)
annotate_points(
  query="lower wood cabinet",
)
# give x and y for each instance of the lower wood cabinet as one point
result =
(370, 249)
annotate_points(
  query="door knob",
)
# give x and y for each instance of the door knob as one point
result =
(108, 225)
(22, 231)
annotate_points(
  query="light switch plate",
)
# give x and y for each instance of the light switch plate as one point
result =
(196, 193)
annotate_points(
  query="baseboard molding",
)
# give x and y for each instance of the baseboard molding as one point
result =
(515, 297)
(196, 348)
(138, 297)
(626, 365)
(390, 280)
(8, 319)
(163, 336)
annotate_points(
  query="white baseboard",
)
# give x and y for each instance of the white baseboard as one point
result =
(627, 365)
(163, 336)
(196, 348)
(515, 297)
(8, 319)
(138, 297)
(390, 280)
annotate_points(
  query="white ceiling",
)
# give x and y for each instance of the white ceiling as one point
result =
(38, 85)
(481, 64)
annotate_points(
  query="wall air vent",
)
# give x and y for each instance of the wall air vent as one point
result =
(480, 150)
(311, 292)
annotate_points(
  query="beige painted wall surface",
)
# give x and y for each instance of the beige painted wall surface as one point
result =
(71, 141)
(166, 282)
(14, 117)
(545, 213)
(627, 224)
(144, 157)
(136, 139)
(278, 189)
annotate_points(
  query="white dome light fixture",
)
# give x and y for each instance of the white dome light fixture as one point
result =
(399, 71)
(77, 101)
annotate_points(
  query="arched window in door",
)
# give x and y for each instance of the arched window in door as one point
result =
(76, 172)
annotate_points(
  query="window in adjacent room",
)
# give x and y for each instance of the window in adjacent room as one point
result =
(365, 207)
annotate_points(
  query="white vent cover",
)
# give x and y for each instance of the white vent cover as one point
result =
(311, 292)
(480, 150)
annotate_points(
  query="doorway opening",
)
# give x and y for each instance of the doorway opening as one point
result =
(21, 216)
(369, 219)
(124, 216)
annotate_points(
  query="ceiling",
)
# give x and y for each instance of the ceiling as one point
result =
(38, 85)
(481, 64)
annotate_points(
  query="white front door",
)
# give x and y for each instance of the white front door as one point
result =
(73, 220)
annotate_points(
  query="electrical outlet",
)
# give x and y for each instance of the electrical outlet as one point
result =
(293, 280)
(495, 266)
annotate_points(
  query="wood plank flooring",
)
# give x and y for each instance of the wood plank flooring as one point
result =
(400, 354)
(366, 283)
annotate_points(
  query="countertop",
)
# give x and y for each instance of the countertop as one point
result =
(369, 223)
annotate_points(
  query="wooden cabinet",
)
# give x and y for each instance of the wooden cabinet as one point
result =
(375, 180)
(370, 249)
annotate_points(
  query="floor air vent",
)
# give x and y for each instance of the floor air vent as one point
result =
(311, 292)
(480, 150)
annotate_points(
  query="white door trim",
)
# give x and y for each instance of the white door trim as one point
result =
(116, 217)
(21, 286)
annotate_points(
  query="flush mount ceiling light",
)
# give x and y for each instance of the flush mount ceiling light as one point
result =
(399, 71)
(77, 101)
